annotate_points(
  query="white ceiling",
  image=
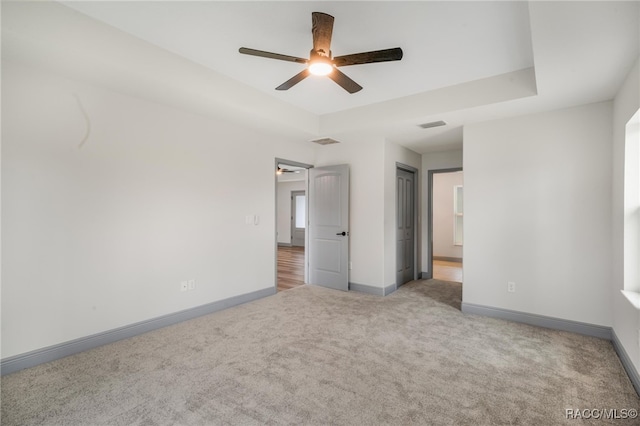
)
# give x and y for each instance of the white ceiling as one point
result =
(463, 61)
(443, 43)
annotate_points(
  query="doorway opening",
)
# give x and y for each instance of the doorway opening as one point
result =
(446, 209)
(291, 223)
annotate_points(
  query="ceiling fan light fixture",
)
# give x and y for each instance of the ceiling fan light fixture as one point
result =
(320, 67)
(321, 61)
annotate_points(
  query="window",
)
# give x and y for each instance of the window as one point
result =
(457, 213)
(300, 211)
(632, 205)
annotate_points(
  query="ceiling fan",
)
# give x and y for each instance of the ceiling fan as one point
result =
(283, 169)
(321, 61)
(280, 171)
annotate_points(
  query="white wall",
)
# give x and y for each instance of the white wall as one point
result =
(394, 154)
(372, 162)
(366, 216)
(433, 161)
(537, 212)
(626, 318)
(100, 236)
(284, 207)
(443, 187)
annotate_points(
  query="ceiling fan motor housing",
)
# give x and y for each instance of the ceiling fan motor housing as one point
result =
(315, 55)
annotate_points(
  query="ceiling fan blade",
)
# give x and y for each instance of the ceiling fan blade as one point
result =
(385, 55)
(322, 29)
(345, 82)
(263, 54)
(294, 80)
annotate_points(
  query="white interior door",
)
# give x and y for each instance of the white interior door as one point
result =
(329, 226)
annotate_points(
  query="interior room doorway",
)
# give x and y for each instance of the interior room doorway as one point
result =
(446, 212)
(291, 223)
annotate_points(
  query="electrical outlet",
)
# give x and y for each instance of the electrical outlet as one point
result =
(184, 286)
(350, 265)
(192, 284)
(511, 287)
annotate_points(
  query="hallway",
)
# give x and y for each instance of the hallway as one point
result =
(447, 271)
(290, 267)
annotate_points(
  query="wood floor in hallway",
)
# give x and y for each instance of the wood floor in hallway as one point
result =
(290, 267)
(447, 271)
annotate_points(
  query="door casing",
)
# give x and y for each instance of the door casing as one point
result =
(429, 273)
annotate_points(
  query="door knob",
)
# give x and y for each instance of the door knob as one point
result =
(343, 233)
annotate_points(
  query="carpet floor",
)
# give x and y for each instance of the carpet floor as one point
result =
(316, 356)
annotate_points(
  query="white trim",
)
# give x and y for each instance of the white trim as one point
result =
(632, 297)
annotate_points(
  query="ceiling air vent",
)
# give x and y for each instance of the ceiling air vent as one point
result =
(432, 124)
(325, 141)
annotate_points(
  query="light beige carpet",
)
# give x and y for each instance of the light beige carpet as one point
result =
(316, 356)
